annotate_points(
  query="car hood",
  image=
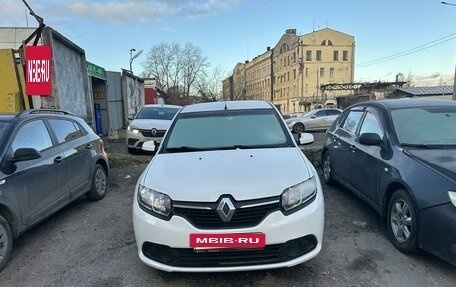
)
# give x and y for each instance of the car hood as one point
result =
(243, 173)
(148, 124)
(441, 160)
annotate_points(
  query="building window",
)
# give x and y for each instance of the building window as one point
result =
(288, 75)
(345, 56)
(322, 72)
(308, 55)
(306, 87)
(294, 73)
(318, 55)
(294, 57)
(336, 55)
(307, 72)
(331, 72)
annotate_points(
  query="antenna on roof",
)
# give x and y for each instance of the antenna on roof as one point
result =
(226, 108)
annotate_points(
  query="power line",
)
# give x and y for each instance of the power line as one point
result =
(409, 51)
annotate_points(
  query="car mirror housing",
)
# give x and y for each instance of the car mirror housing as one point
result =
(370, 139)
(23, 154)
(306, 138)
(131, 117)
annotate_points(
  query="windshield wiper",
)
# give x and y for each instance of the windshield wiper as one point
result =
(183, 149)
(424, 146)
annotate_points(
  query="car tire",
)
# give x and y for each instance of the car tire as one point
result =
(298, 128)
(402, 222)
(132, 150)
(327, 169)
(99, 184)
(6, 242)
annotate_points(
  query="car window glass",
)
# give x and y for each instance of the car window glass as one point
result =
(32, 135)
(65, 130)
(351, 122)
(427, 125)
(3, 126)
(333, 112)
(227, 129)
(320, 114)
(371, 125)
(157, 113)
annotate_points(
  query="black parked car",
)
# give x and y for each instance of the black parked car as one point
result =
(48, 158)
(400, 157)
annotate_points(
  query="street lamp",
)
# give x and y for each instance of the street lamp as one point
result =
(132, 57)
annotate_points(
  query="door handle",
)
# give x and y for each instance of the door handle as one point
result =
(58, 159)
(88, 146)
(353, 148)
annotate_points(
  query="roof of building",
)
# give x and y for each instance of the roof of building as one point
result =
(424, 91)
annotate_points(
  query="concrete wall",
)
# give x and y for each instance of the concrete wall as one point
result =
(69, 76)
(132, 93)
(12, 37)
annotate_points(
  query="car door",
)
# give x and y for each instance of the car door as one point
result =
(40, 184)
(343, 139)
(367, 160)
(315, 121)
(76, 151)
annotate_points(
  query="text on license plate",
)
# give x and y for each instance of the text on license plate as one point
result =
(228, 240)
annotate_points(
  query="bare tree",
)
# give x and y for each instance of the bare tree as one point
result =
(194, 64)
(176, 68)
(209, 85)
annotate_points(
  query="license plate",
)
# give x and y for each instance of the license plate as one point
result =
(227, 240)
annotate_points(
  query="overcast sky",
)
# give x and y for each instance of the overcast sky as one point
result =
(231, 31)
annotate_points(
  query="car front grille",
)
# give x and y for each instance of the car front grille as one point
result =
(247, 213)
(270, 254)
(148, 133)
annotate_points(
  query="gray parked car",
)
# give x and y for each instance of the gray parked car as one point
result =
(319, 119)
(48, 158)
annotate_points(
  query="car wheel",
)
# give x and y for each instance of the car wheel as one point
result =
(298, 128)
(327, 169)
(401, 222)
(6, 242)
(99, 182)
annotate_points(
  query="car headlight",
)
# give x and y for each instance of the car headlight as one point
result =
(156, 202)
(452, 195)
(296, 197)
(133, 130)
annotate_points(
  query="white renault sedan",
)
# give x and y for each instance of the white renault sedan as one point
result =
(228, 190)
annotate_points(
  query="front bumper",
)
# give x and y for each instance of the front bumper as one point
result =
(136, 140)
(437, 231)
(301, 231)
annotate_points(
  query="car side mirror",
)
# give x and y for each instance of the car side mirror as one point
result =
(131, 117)
(148, 146)
(306, 138)
(23, 154)
(370, 139)
(313, 117)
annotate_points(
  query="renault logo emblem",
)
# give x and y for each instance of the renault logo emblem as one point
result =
(225, 209)
(154, 132)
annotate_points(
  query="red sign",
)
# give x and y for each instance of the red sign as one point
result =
(38, 70)
(230, 240)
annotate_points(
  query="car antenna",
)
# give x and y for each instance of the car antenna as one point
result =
(226, 108)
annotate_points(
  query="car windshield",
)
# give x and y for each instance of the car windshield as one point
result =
(417, 127)
(308, 115)
(157, 113)
(227, 129)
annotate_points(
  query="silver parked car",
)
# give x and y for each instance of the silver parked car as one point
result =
(319, 119)
(150, 123)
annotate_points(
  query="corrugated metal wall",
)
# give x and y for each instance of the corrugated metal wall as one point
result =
(115, 102)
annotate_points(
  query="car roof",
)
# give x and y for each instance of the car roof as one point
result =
(227, 105)
(4, 118)
(161, 106)
(408, 103)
